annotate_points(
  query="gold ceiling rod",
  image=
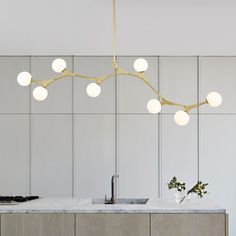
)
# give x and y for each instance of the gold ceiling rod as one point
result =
(140, 65)
(114, 32)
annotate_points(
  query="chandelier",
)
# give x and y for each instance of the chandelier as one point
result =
(93, 89)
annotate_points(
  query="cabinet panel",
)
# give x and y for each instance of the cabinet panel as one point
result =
(179, 152)
(52, 155)
(179, 81)
(188, 224)
(37, 225)
(217, 158)
(13, 97)
(112, 224)
(60, 94)
(95, 155)
(138, 156)
(218, 74)
(94, 66)
(133, 94)
(14, 155)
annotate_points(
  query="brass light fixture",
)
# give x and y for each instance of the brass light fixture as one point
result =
(154, 106)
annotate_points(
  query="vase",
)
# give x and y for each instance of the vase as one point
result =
(182, 197)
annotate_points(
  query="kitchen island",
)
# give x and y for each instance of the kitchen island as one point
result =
(79, 217)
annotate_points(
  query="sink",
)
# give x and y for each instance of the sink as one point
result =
(125, 201)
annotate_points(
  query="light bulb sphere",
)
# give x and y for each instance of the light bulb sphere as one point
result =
(154, 106)
(24, 78)
(40, 93)
(93, 90)
(214, 99)
(58, 65)
(140, 65)
(181, 118)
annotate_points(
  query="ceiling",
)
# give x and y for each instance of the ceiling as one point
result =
(151, 27)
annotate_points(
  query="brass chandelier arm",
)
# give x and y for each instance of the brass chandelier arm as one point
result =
(98, 80)
(67, 73)
(186, 108)
(190, 107)
(46, 83)
(119, 71)
(163, 100)
(141, 76)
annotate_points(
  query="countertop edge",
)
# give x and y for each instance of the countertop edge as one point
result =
(111, 211)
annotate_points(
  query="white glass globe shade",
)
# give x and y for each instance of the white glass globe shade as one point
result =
(24, 78)
(154, 106)
(58, 65)
(93, 90)
(214, 99)
(40, 93)
(140, 65)
(181, 118)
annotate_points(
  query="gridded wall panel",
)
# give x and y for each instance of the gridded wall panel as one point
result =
(71, 145)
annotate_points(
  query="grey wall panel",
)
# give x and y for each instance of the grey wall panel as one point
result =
(72, 150)
(133, 93)
(52, 155)
(13, 97)
(14, 155)
(217, 161)
(179, 81)
(138, 156)
(218, 74)
(95, 155)
(59, 98)
(179, 153)
(94, 67)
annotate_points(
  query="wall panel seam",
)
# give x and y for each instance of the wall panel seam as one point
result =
(75, 228)
(117, 131)
(159, 133)
(30, 133)
(150, 224)
(73, 129)
(198, 117)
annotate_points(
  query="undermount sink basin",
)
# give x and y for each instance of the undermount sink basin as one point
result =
(125, 201)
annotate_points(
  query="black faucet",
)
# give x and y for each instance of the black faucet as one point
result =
(113, 197)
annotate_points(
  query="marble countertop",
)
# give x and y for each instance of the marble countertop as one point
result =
(75, 205)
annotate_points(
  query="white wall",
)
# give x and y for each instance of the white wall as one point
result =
(84, 27)
(71, 144)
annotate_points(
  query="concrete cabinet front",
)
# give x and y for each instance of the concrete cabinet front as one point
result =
(113, 225)
(37, 224)
(188, 225)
